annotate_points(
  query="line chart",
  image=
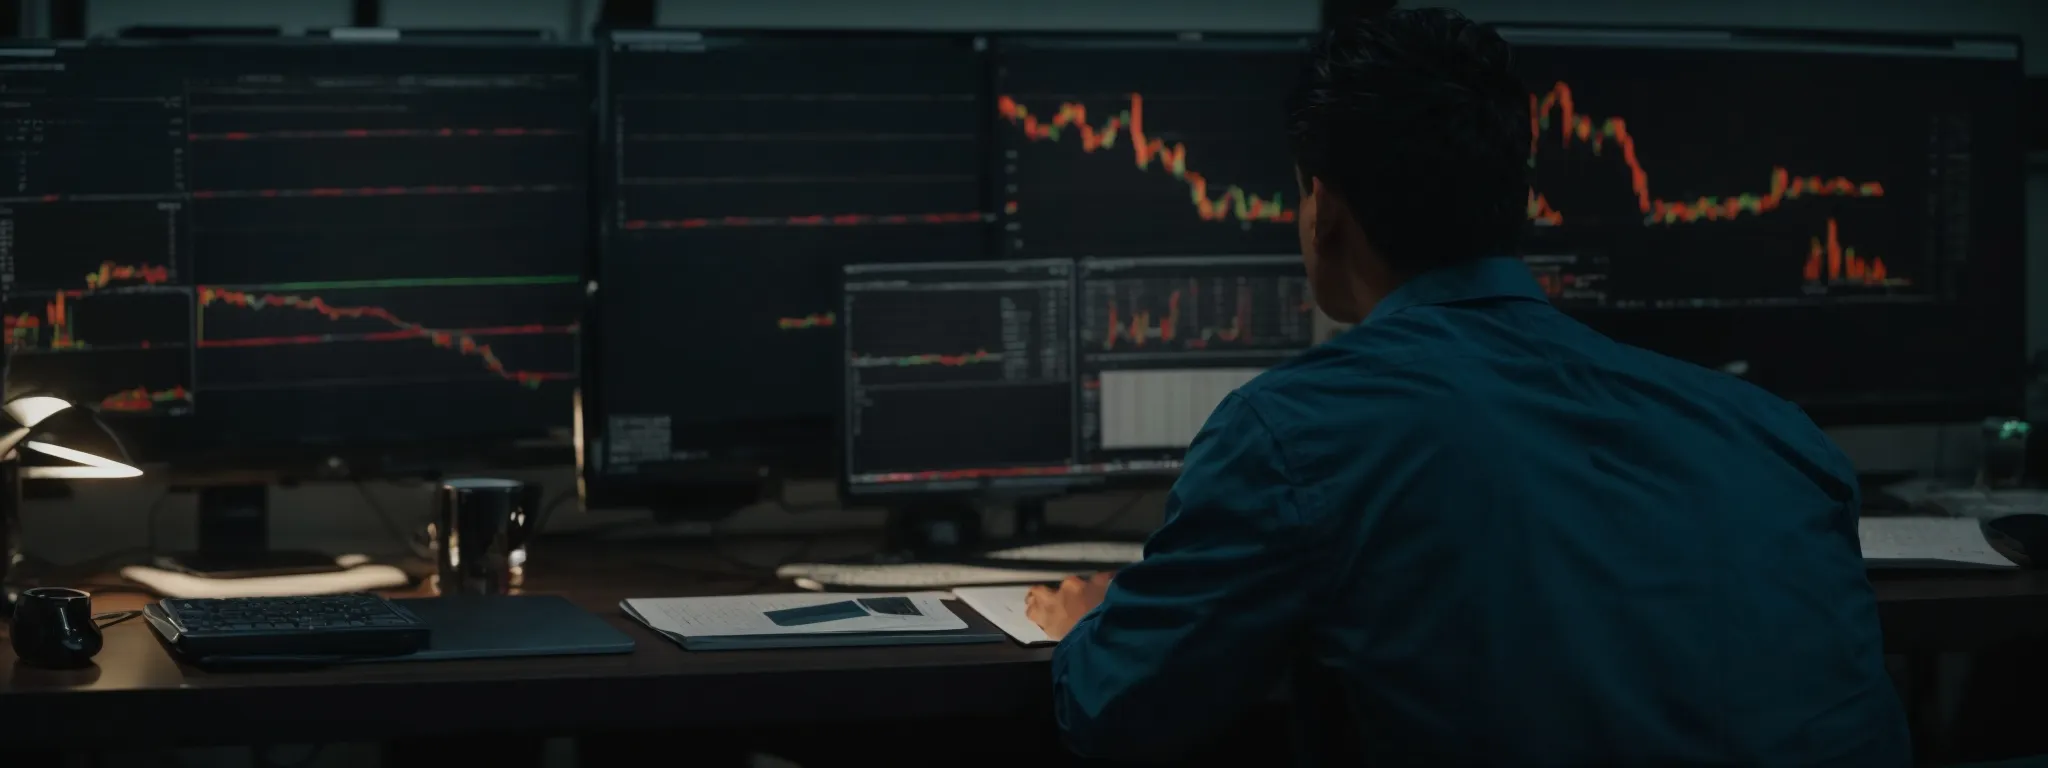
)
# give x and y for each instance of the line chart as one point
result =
(465, 342)
(1234, 203)
(376, 133)
(429, 190)
(817, 320)
(913, 361)
(1596, 133)
(809, 220)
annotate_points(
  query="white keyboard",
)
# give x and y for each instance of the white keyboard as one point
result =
(909, 575)
(1108, 552)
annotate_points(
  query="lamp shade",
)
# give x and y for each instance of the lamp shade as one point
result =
(69, 443)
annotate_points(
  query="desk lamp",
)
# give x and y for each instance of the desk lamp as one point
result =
(43, 437)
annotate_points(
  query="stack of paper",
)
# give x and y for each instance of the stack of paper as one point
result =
(802, 620)
(1004, 607)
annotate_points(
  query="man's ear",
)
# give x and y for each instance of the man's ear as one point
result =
(1331, 213)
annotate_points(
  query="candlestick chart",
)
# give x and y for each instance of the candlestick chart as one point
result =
(1641, 199)
(1197, 313)
(94, 309)
(1145, 151)
(1163, 340)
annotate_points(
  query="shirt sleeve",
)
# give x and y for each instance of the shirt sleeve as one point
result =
(1195, 635)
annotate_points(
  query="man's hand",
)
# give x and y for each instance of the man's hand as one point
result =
(1057, 611)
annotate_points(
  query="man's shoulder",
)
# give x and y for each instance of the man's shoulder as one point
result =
(1344, 381)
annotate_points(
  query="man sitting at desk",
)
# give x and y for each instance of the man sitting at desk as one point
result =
(1501, 537)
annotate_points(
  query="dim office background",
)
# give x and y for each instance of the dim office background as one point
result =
(106, 517)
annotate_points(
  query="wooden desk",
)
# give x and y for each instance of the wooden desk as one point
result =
(1931, 612)
(137, 696)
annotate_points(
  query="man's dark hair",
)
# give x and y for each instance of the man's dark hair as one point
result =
(1414, 118)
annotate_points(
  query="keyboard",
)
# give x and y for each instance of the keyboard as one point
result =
(324, 626)
(1105, 552)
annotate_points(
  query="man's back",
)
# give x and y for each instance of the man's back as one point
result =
(1560, 548)
(1508, 540)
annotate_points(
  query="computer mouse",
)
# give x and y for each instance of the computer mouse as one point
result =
(2023, 534)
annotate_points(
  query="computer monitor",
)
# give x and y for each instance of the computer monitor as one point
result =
(743, 170)
(258, 252)
(1146, 146)
(1836, 218)
(1033, 377)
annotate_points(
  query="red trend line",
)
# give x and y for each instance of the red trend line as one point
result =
(819, 320)
(1140, 328)
(1827, 261)
(1235, 201)
(463, 343)
(377, 133)
(1595, 133)
(435, 190)
(142, 399)
(330, 338)
(815, 220)
(950, 361)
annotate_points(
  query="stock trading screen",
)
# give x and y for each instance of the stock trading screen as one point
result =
(1840, 204)
(1798, 185)
(299, 242)
(747, 171)
(1163, 340)
(958, 375)
(1146, 147)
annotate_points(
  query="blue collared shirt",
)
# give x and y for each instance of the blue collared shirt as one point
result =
(1505, 539)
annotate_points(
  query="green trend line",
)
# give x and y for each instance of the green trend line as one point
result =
(417, 282)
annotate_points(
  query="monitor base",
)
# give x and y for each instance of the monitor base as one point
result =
(249, 564)
(952, 532)
(233, 538)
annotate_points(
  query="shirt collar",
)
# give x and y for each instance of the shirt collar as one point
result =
(1497, 277)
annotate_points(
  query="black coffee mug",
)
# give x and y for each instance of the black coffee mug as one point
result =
(53, 628)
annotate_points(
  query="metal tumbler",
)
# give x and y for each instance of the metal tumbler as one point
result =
(481, 529)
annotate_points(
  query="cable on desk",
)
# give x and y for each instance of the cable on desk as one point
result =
(110, 618)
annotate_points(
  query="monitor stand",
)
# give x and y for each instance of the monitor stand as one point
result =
(951, 531)
(1029, 527)
(234, 538)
